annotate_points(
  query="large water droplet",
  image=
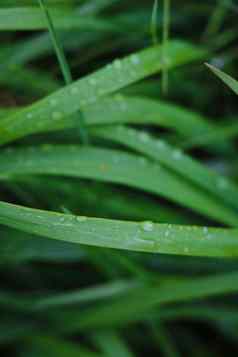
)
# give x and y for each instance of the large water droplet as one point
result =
(148, 226)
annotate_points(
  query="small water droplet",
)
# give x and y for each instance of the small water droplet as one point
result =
(166, 233)
(148, 226)
(135, 59)
(218, 62)
(29, 115)
(186, 250)
(160, 144)
(144, 137)
(92, 81)
(205, 230)
(53, 102)
(117, 64)
(81, 219)
(222, 183)
(177, 155)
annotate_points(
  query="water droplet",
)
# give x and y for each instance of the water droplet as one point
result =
(148, 226)
(135, 59)
(57, 115)
(53, 102)
(218, 62)
(81, 219)
(186, 250)
(144, 137)
(177, 154)
(123, 106)
(92, 81)
(143, 160)
(117, 64)
(160, 144)
(205, 230)
(222, 183)
(29, 115)
(166, 233)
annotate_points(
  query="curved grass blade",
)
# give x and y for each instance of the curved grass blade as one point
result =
(228, 80)
(115, 167)
(88, 90)
(119, 109)
(145, 236)
(174, 159)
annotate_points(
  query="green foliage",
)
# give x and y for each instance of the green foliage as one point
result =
(126, 246)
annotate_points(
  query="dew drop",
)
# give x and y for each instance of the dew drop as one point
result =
(117, 64)
(148, 226)
(177, 154)
(81, 219)
(53, 102)
(144, 137)
(222, 183)
(160, 144)
(29, 116)
(135, 59)
(92, 81)
(205, 230)
(166, 233)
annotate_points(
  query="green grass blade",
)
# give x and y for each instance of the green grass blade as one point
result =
(65, 69)
(228, 80)
(88, 90)
(112, 166)
(136, 305)
(57, 45)
(145, 236)
(174, 159)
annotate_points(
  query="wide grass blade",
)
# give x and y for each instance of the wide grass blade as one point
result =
(145, 236)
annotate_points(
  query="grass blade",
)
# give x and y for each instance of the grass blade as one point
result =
(145, 236)
(88, 90)
(115, 167)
